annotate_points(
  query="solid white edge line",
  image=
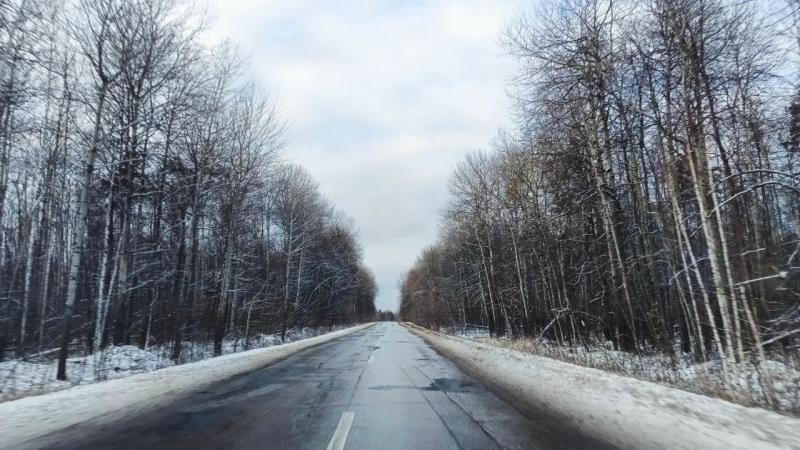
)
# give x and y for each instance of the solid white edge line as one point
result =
(340, 435)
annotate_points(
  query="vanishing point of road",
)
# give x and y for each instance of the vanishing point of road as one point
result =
(379, 388)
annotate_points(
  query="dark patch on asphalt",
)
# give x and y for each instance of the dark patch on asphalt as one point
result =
(438, 385)
(449, 385)
(390, 387)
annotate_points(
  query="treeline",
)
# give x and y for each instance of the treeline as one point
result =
(385, 316)
(650, 195)
(142, 195)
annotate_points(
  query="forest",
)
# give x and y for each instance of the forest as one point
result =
(647, 197)
(144, 196)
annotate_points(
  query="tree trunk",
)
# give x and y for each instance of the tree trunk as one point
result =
(79, 234)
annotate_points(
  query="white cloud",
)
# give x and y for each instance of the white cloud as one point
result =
(384, 98)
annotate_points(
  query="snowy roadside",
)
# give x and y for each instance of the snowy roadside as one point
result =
(30, 417)
(37, 374)
(625, 412)
(747, 385)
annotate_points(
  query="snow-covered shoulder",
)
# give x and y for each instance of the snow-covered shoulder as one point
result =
(625, 412)
(31, 417)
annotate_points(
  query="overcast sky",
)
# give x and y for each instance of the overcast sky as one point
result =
(384, 97)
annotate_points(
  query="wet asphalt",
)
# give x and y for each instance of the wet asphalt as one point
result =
(380, 388)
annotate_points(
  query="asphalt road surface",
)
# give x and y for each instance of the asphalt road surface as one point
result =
(380, 388)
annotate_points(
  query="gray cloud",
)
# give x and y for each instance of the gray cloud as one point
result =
(384, 98)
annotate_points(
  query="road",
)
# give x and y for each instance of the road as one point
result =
(380, 388)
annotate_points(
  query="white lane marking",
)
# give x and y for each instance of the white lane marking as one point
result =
(371, 358)
(340, 435)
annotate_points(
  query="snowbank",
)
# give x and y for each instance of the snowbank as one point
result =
(37, 374)
(30, 417)
(747, 384)
(625, 412)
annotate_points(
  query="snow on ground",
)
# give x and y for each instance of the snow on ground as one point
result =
(22, 378)
(37, 374)
(30, 417)
(626, 412)
(468, 331)
(748, 385)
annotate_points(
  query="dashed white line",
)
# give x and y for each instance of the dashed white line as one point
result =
(371, 358)
(340, 435)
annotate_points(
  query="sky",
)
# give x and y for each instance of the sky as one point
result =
(383, 99)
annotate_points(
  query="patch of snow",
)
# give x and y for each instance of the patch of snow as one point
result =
(468, 331)
(31, 417)
(623, 411)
